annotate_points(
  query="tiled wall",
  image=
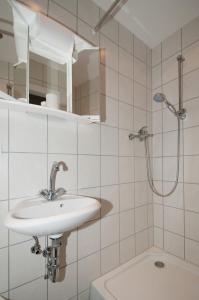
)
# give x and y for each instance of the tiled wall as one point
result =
(102, 163)
(176, 218)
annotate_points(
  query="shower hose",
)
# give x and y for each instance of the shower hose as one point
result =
(149, 167)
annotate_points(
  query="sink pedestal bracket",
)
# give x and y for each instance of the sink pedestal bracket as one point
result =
(52, 253)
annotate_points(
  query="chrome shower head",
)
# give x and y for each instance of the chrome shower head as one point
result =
(160, 97)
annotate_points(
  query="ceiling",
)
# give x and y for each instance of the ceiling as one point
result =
(154, 20)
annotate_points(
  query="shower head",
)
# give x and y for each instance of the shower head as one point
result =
(160, 97)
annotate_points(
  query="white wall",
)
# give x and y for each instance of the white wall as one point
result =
(176, 218)
(102, 163)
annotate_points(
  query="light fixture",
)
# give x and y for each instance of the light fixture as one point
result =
(111, 12)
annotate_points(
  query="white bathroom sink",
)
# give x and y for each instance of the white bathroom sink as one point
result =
(39, 217)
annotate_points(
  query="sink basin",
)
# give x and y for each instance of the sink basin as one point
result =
(39, 217)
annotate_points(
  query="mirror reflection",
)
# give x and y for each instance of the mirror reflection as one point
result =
(47, 64)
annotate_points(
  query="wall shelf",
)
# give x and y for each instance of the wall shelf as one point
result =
(36, 109)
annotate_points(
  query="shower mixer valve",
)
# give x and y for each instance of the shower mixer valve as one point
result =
(141, 135)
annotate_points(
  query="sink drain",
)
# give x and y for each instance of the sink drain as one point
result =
(159, 264)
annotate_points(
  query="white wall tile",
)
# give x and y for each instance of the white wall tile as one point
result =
(157, 145)
(125, 170)
(171, 45)
(33, 266)
(170, 89)
(139, 119)
(125, 63)
(4, 129)
(111, 111)
(109, 140)
(169, 168)
(71, 247)
(125, 146)
(192, 225)
(88, 239)
(125, 39)
(139, 71)
(109, 230)
(157, 122)
(110, 29)
(125, 89)
(139, 96)
(156, 76)
(88, 270)
(3, 230)
(156, 55)
(28, 132)
(190, 32)
(141, 193)
(68, 5)
(192, 119)
(89, 139)
(126, 224)
(126, 196)
(66, 288)
(192, 251)
(110, 58)
(33, 173)
(191, 143)
(191, 164)
(109, 86)
(84, 295)
(109, 170)
(176, 199)
(66, 18)
(40, 5)
(85, 30)
(191, 196)
(125, 116)
(142, 241)
(109, 258)
(190, 85)
(88, 171)
(109, 200)
(174, 220)
(36, 289)
(169, 121)
(127, 249)
(191, 54)
(140, 49)
(158, 215)
(141, 218)
(4, 176)
(174, 244)
(170, 142)
(62, 136)
(140, 169)
(158, 237)
(4, 270)
(169, 69)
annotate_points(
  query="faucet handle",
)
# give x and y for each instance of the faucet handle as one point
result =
(44, 193)
(59, 192)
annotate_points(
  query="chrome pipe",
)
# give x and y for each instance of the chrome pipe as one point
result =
(181, 111)
(111, 12)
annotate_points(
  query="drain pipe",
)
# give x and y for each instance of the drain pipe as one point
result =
(52, 253)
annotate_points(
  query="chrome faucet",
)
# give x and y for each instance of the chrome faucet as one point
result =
(52, 193)
(141, 135)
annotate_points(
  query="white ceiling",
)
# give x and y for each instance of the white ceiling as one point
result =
(154, 20)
